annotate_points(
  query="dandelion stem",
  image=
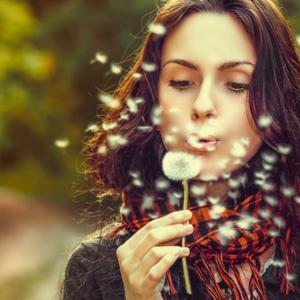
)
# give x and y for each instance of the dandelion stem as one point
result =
(184, 261)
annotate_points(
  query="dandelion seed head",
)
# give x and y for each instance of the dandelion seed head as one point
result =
(178, 165)
(197, 189)
(109, 100)
(157, 29)
(162, 183)
(284, 149)
(62, 143)
(116, 140)
(264, 121)
(115, 68)
(149, 67)
(102, 150)
(108, 126)
(92, 128)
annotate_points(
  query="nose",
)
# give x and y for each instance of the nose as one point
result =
(204, 104)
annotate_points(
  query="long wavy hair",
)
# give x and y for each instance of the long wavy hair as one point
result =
(274, 92)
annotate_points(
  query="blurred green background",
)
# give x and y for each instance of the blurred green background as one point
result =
(50, 76)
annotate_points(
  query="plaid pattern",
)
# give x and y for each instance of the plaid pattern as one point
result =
(249, 225)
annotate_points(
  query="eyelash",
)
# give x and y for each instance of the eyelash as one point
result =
(178, 85)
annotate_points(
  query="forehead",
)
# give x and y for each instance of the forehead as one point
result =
(208, 37)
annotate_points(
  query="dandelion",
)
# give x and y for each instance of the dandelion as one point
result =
(265, 121)
(61, 143)
(157, 29)
(109, 100)
(148, 67)
(115, 68)
(116, 140)
(284, 149)
(181, 166)
(92, 128)
(108, 126)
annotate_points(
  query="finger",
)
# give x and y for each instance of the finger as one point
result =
(169, 219)
(158, 271)
(158, 253)
(161, 235)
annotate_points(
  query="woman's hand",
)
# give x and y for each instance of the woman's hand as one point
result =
(145, 257)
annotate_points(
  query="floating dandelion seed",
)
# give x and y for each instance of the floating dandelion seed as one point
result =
(174, 129)
(109, 100)
(124, 116)
(238, 149)
(288, 191)
(234, 194)
(134, 174)
(148, 201)
(214, 200)
(109, 126)
(269, 157)
(133, 104)
(145, 128)
(279, 221)
(267, 167)
(198, 189)
(297, 199)
(234, 183)
(137, 76)
(216, 211)
(115, 68)
(291, 276)
(271, 200)
(202, 202)
(268, 186)
(261, 175)
(174, 199)
(284, 149)
(170, 138)
(123, 232)
(274, 233)
(101, 57)
(157, 29)
(174, 110)
(156, 115)
(148, 67)
(124, 211)
(223, 162)
(102, 150)
(137, 182)
(61, 143)
(226, 175)
(209, 177)
(298, 39)
(116, 140)
(246, 221)
(161, 183)
(264, 213)
(180, 165)
(226, 232)
(265, 121)
(92, 128)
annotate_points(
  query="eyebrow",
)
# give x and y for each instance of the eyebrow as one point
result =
(224, 66)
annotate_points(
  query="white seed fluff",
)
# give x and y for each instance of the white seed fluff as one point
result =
(179, 165)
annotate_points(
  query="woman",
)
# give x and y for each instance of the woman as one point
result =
(224, 71)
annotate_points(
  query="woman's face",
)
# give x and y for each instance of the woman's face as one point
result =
(202, 93)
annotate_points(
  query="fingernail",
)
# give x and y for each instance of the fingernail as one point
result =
(187, 213)
(185, 251)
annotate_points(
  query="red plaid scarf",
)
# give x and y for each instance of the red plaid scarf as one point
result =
(206, 247)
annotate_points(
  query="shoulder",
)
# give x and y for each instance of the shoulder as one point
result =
(92, 267)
